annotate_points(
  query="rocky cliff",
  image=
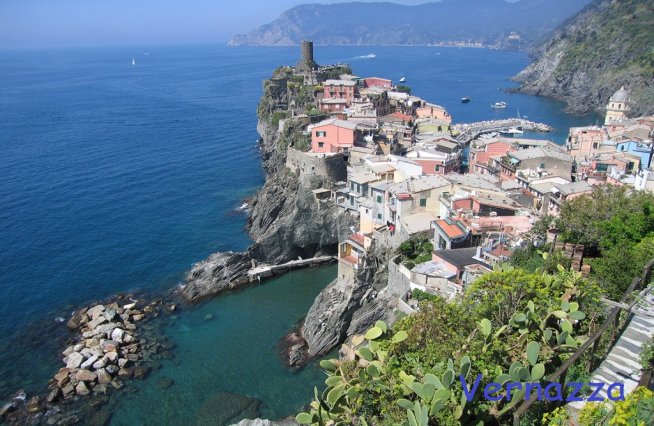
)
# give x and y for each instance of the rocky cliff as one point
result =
(350, 305)
(496, 23)
(286, 221)
(607, 45)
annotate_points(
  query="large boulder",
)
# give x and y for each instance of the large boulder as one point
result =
(85, 376)
(82, 389)
(74, 360)
(95, 311)
(103, 376)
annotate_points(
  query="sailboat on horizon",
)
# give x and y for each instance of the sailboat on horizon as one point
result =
(133, 61)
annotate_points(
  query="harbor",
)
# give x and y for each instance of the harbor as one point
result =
(466, 132)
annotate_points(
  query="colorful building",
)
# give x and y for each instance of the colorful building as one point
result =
(481, 150)
(450, 234)
(617, 107)
(339, 89)
(435, 162)
(434, 111)
(333, 136)
(584, 141)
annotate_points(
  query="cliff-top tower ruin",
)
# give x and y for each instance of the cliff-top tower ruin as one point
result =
(306, 63)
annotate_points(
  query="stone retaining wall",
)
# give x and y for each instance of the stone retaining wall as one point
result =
(332, 168)
(399, 283)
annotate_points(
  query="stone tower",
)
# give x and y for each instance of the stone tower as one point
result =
(617, 107)
(306, 62)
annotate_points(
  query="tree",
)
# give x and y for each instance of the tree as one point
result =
(404, 89)
(609, 216)
(616, 225)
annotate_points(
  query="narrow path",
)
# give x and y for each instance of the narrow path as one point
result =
(266, 271)
(622, 364)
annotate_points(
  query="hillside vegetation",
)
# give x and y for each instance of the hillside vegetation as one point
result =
(605, 46)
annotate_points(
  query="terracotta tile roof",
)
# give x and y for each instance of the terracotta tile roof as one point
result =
(357, 238)
(501, 250)
(451, 229)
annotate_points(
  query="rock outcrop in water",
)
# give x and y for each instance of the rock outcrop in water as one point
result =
(286, 221)
(604, 47)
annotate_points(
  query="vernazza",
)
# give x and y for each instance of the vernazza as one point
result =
(327, 212)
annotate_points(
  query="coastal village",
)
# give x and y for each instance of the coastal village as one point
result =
(457, 197)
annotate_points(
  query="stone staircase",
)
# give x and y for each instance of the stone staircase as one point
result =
(622, 364)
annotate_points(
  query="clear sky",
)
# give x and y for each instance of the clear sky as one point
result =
(40, 23)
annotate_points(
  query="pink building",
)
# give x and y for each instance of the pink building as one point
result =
(333, 135)
(482, 150)
(434, 162)
(434, 111)
(339, 89)
(378, 82)
(435, 166)
(584, 141)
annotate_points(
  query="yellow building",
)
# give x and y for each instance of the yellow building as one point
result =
(617, 107)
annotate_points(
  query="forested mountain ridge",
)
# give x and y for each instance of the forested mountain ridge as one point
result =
(607, 45)
(494, 23)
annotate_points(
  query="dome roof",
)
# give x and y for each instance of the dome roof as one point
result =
(620, 96)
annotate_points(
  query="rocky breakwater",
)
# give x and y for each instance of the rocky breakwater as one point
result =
(107, 349)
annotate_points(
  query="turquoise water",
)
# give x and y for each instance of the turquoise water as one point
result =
(116, 178)
(234, 352)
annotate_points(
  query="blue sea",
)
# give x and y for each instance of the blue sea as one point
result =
(117, 178)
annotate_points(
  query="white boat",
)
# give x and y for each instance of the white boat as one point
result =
(499, 105)
(133, 62)
(403, 79)
(371, 55)
(512, 131)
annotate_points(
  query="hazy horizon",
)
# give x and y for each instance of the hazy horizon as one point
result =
(81, 23)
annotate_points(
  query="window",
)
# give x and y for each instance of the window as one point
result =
(423, 202)
(437, 168)
(321, 134)
(594, 145)
(379, 198)
(321, 144)
(542, 165)
(379, 216)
